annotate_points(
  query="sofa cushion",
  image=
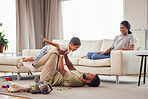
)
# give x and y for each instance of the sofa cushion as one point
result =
(74, 61)
(94, 70)
(95, 63)
(9, 60)
(87, 46)
(30, 52)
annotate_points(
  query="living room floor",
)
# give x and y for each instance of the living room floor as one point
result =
(127, 89)
(10, 97)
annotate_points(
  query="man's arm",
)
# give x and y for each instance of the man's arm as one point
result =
(49, 42)
(61, 66)
(68, 63)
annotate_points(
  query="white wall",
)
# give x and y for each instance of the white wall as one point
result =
(135, 11)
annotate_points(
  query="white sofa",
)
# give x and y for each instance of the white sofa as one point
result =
(120, 63)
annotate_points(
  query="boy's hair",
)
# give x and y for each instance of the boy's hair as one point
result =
(75, 41)
(95, 82)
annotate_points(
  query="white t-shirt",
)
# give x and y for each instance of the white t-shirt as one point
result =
(62, 47)
(123, 41)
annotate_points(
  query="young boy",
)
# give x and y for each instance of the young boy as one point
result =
(73, 45)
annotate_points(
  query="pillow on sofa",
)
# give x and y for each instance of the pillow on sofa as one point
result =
(106, 44)
(87, 46)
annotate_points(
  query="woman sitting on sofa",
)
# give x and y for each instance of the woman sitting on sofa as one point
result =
(125, 41)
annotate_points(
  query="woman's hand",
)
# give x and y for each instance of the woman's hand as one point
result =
(83, 57)
(100, 53)
(122, 48)
(43, 39)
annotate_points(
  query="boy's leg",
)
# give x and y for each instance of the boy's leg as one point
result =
(41, 61)
(41, 53)
(49, 69)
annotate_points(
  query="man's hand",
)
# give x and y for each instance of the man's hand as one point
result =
(84, 81)
(43, 39)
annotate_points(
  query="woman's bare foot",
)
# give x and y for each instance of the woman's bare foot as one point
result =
(83, 57)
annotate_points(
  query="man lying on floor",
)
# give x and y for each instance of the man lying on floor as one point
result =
(73, 77)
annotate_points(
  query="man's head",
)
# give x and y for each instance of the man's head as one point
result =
(74, 43)
(91, 80)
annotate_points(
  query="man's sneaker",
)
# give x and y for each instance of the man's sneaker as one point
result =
(20, 63)
(30, 66)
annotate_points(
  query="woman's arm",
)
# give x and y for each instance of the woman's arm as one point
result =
(106, 52)
(125, 48)
(49, 42)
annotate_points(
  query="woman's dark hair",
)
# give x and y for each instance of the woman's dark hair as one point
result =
(95, 82)
(76, 41)
(127, 25)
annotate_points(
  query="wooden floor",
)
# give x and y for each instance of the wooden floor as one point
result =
(10, 97)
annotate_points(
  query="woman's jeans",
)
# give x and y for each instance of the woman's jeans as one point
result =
(94, 56)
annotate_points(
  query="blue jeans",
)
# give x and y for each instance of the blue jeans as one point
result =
(94, 56)
(42, 53)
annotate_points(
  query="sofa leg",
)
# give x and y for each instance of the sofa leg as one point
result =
(18, 76)
(117, 79)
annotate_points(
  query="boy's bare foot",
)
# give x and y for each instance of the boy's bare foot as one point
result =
(20, 63)
(83, 57)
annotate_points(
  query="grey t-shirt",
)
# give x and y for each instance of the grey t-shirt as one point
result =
(123, 41)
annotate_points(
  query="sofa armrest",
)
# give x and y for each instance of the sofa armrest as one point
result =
(126, 62)
(140, 48)
(30, 52)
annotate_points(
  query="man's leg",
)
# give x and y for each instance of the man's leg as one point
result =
(49, 69)
(41, 61)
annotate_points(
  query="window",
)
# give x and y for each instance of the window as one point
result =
(8, 19)
(92, 19)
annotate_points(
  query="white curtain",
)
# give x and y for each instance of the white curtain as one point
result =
(35, 18)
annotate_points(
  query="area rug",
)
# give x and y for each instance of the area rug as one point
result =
(107, 90)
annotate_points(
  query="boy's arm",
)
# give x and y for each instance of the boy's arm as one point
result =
(61, 66)
(49, 42)
(68, 63)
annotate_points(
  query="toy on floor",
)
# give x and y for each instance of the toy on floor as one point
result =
(7, 86)
(8, 78)
(7, 89)
(15, 87)
(69, 88)
(40, 87)
(59, 89)
(3, 86)
(65, 88)
(31, 86)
